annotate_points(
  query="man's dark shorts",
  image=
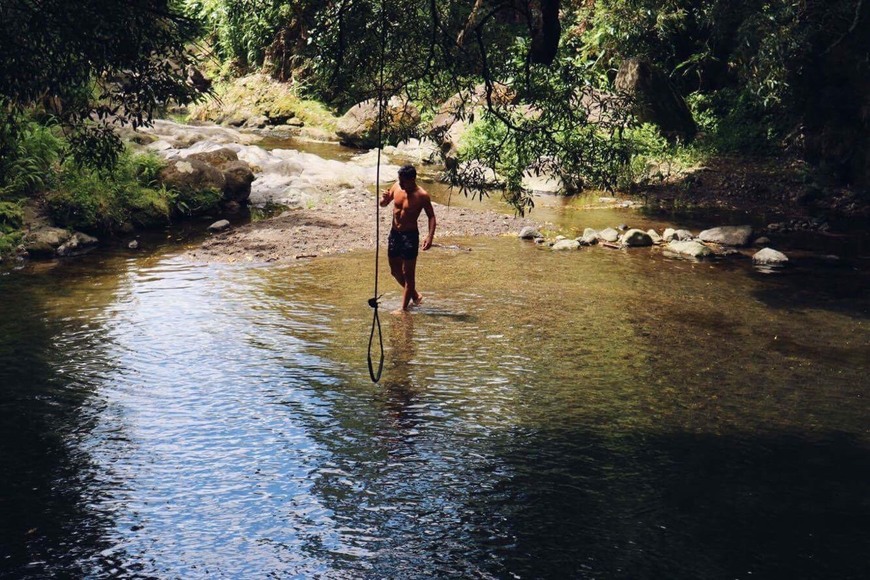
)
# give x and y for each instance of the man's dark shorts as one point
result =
(404, 245)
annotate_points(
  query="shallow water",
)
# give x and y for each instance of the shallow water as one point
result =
(599, 414)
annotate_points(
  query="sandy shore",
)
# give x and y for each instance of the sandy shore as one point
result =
(337, 223)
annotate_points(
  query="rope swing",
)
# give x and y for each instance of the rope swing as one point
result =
(373, 301)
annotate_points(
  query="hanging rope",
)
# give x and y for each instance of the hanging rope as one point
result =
(373, 301)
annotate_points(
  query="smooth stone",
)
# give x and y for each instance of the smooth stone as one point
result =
(692, 249)
(134, 245)
(636, 238)
(762, 241)
(219, 226)
(529, 233)
(727, 235)
(608, 235)
(769, 257)
(656, 238)
(563, 245)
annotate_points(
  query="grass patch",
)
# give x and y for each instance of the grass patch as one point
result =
(109, 201)
(258, 94)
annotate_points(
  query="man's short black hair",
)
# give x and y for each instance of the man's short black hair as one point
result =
(407, 172)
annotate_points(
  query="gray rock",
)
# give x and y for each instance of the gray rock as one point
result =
(762, 241)
(563, 245)
(589, 237)
(684, 235)
(636, 238)
(529, 233)
(608, 235)
(257, 121)
(669, 234)
(359, 128)
(238, 178)
(769, 257)
(77, 243)
(692, 249)
(219, 226)
(216, 157)
(622, 227)
(44, 242)
(134, 245)
(656, 238)
(727, 235)
(192, 175)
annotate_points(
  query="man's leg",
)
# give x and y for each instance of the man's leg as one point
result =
(409, 269)
(396, 270)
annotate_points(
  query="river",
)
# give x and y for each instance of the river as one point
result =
(598, 414)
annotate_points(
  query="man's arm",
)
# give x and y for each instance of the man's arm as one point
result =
(386, 197)
(430, 213)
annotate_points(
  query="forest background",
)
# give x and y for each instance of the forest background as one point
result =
(775, 80)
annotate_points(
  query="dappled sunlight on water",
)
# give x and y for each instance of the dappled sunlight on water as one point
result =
(602, 414)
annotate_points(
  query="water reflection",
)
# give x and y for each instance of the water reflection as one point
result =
(601, 414)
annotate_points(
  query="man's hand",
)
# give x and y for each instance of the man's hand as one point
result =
(427, 242)
(386, 197)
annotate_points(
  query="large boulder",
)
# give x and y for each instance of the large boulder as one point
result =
(238, 177)
(456, 114)
(238, 174)
(359, 126)
(192, 175)
(656, 99)
(727, 235)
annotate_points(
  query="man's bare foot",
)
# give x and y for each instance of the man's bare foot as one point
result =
(418, 300)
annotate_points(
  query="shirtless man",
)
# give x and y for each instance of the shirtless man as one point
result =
(409, 200)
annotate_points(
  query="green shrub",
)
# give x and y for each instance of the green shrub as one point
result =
(191, 203)
(103, 201)
(29, 153)
(11, 217)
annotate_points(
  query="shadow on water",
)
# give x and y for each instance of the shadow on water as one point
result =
(840, 286)
(679, 506)
(47, 527)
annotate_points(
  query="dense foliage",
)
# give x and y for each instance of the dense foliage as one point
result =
(89, 63)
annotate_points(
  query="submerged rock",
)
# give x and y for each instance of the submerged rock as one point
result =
(563, 245)
(691, 249)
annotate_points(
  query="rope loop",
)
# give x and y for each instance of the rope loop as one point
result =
(373, 302)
